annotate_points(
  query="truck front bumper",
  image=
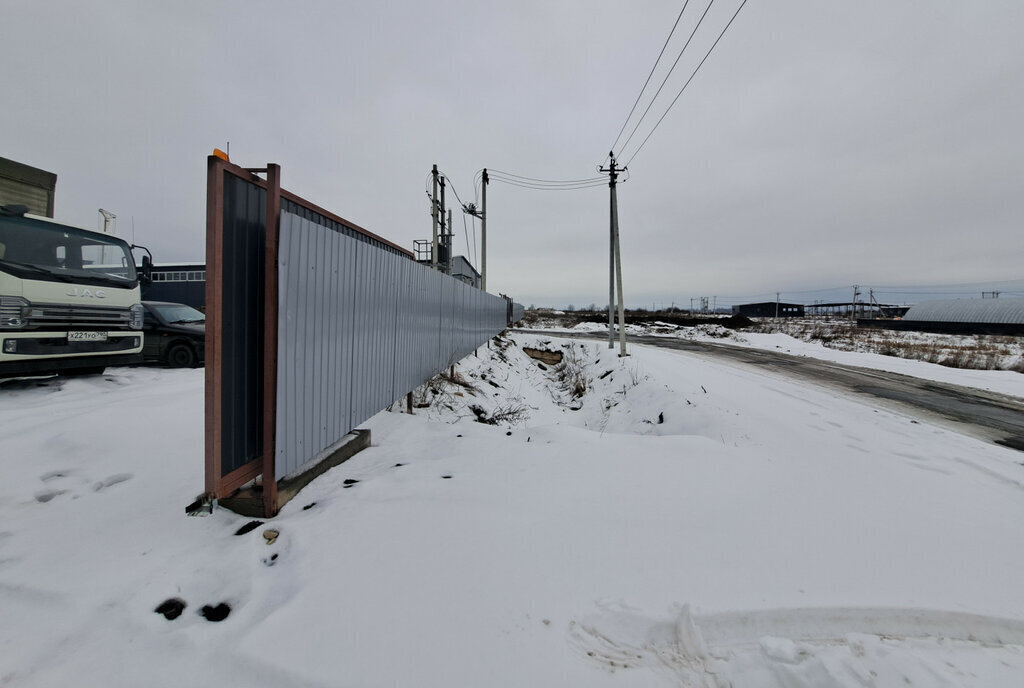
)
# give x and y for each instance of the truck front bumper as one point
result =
(41, 353)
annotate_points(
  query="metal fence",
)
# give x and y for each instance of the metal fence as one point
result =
(313, 325)
(358, 328)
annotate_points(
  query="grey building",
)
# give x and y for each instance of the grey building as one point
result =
(178, 283)
(769, 309)
(462, 270)
(974, 316)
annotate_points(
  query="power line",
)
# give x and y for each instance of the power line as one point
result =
(735, 14)
(958, 284)
(655, 66)
(451, 185)
(465, 231)
(549, 186)
(665, 80)
(534, 180)
(544, 184)
(552, 188)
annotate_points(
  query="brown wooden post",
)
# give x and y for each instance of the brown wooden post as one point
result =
(273, 223)
(214, 320)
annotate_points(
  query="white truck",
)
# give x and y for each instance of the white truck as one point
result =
(69, 298)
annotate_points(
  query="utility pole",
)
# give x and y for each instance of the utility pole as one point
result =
(483, 235)
(616, 261)
(853, 305)
(448, 246)
(611, 271)
(433, 213)
(444, 208)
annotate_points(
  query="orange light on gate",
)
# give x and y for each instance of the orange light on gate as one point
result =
(221, 154)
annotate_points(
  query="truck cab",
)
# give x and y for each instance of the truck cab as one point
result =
(69, 298)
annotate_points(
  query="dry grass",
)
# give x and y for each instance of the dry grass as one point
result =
(976, 352)
(572, 371)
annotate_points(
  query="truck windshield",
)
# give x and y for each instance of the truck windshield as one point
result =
(41, 250)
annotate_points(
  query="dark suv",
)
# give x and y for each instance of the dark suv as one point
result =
(175, 334)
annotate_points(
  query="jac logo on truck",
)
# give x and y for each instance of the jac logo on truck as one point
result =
(90, 293)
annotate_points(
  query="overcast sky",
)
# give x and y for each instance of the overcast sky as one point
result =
(823, 144)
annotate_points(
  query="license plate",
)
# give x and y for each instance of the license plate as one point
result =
(87, 336)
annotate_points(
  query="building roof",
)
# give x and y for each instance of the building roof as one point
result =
(28, 174)
(780, 304)
(1002, 310)
(460, 263)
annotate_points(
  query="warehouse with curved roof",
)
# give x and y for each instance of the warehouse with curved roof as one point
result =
(1004, 316)
(1002, 311)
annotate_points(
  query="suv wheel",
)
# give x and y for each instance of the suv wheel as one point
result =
(181, 356)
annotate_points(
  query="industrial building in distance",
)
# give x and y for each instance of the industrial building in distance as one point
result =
(769, 309)
(1002, 316)
(178, 283)
(22, 184)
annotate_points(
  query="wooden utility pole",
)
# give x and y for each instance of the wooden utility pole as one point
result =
(433, 213)
(483, 235)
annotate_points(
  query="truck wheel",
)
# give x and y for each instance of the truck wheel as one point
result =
(181, 356)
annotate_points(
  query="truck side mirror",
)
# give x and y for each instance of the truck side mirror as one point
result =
(147, 270)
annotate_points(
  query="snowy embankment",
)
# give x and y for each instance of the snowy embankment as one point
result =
(1006, 382)
(658, 520)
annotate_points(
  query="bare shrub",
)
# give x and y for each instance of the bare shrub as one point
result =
(507, 415)
(572, 373)
(456, 380)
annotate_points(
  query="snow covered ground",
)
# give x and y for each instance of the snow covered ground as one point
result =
(679, 523)
(1000, 381)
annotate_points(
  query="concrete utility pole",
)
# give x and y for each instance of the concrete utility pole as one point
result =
(433, 212)
(483, 235)
(611, 273)
(444, 209)
(616, 261)
(776, 305)
(853, 305)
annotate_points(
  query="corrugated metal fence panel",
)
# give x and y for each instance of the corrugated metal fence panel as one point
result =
(242, 360)
(1002, 310)
(358, 327)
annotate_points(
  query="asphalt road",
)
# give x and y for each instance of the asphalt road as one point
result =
(986, 415)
